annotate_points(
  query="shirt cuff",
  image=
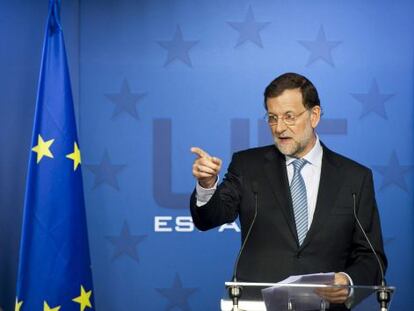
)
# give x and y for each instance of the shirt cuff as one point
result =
(204, 195)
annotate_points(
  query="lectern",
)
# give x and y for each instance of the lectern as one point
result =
(303, 297)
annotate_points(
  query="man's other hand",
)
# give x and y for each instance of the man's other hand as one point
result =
(335, 295)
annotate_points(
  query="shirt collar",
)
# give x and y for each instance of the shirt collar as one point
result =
(313, 157)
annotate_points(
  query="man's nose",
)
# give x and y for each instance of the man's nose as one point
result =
(280, 126)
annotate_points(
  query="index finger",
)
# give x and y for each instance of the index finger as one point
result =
(200, 152)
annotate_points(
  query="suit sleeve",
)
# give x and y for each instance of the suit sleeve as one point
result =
(363, 267)
(223, 207)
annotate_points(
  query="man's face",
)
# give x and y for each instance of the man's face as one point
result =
(298, 139)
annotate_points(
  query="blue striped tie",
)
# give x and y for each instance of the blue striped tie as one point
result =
(299, 200)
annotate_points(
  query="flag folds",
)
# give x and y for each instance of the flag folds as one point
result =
(54, 266)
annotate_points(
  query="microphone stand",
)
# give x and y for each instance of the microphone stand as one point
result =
(235, 291)
(383, 296)
(383, 293)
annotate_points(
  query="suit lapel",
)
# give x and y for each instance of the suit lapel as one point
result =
(329, 185)
(275, 171)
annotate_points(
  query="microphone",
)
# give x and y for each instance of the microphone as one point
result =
(383, 295)
(236, 291)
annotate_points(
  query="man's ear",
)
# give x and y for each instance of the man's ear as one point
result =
(315, 116)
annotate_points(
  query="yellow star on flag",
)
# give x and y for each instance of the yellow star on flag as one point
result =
(83, 299)
(42, 148)
(75, 156)
(47, 308)
(18, 305)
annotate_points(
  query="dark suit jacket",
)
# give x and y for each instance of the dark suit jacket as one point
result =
(333, 243)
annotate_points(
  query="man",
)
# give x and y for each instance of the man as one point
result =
(305, 193)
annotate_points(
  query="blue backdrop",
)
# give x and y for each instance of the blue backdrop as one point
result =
(153, 78)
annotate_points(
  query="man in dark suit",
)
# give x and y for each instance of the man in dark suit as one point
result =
(305, 193)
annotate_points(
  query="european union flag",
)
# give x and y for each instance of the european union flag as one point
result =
(54, 269)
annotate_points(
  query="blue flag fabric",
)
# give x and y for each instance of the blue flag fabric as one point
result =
(54, 266)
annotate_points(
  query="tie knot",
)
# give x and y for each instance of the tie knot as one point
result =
(298, 164)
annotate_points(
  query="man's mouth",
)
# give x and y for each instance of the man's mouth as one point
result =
(284, 139)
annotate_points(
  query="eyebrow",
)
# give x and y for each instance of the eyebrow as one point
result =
(274, 114)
